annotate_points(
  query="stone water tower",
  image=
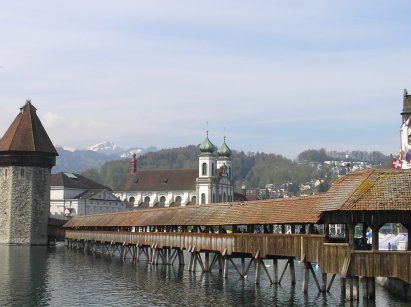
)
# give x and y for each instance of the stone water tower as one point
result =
(26, 158)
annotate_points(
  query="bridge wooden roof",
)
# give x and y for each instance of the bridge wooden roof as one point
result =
(273, 211)
(371, 190)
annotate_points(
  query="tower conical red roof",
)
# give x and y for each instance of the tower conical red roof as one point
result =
(26, 137)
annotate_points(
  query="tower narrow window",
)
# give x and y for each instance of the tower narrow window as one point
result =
(212, 169)
(203, 198)
(204, 169)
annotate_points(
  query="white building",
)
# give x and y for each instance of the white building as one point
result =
(210, 183)
(72, 194)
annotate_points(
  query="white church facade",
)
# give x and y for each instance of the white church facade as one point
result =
(210, 183)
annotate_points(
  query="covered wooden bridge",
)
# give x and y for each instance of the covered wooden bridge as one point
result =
(329, 230)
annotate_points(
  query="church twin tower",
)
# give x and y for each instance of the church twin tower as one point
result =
(212, 187)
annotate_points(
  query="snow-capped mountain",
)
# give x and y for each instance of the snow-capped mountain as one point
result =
(109, 148)
(76, 160)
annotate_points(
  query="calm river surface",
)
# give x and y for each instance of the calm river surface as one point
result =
(56, 276)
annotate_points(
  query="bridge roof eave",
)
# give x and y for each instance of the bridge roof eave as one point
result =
(285, 211)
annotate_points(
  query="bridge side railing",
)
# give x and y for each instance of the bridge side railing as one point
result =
(395, 264)
(302, 247)
(334, 258)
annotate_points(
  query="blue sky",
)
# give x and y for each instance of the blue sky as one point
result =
(276, 76)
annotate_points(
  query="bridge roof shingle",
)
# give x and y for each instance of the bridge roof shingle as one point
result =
(381, 190)
(371, 190)
(273, 211)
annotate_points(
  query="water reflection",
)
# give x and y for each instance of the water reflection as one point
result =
(23, 272)
(55, 276)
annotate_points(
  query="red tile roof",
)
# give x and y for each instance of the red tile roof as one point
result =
(374, 190)
(160, 180)
(273, 211)
(27, 134)
(371, 190)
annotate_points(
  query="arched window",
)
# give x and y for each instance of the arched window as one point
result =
(203, 198)
(204, 169)
(146, 199)
(131, 200)
(162, 199)
(194, 200)
(178, 200)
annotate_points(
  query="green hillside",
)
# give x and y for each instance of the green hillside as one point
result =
(255, 170)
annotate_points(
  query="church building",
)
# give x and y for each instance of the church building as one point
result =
(210, 183)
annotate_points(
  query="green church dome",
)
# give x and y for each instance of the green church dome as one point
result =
(224, 150)
(207, 146)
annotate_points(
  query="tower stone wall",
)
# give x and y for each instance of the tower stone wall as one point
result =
(26, 158)
(25, 204)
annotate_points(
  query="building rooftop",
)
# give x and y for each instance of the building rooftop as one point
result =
(27, 134)
(75, 181)
(381, 190)
(160, 180)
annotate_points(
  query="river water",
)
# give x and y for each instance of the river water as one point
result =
(57, 276)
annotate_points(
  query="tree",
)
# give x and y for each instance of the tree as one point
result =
(313, 155)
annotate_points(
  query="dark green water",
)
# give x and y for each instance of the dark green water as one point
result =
(56, 276)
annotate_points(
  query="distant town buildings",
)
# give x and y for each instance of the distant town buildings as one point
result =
(72, 194)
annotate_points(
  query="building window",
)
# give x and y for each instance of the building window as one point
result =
(224, 197)
(22, 173)
(162, 199)
(131, 200)
(194, 199)
(203, 198)
(204, 169)
(146, 199)
(212, 169)
(178, 200)
(213, 198)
